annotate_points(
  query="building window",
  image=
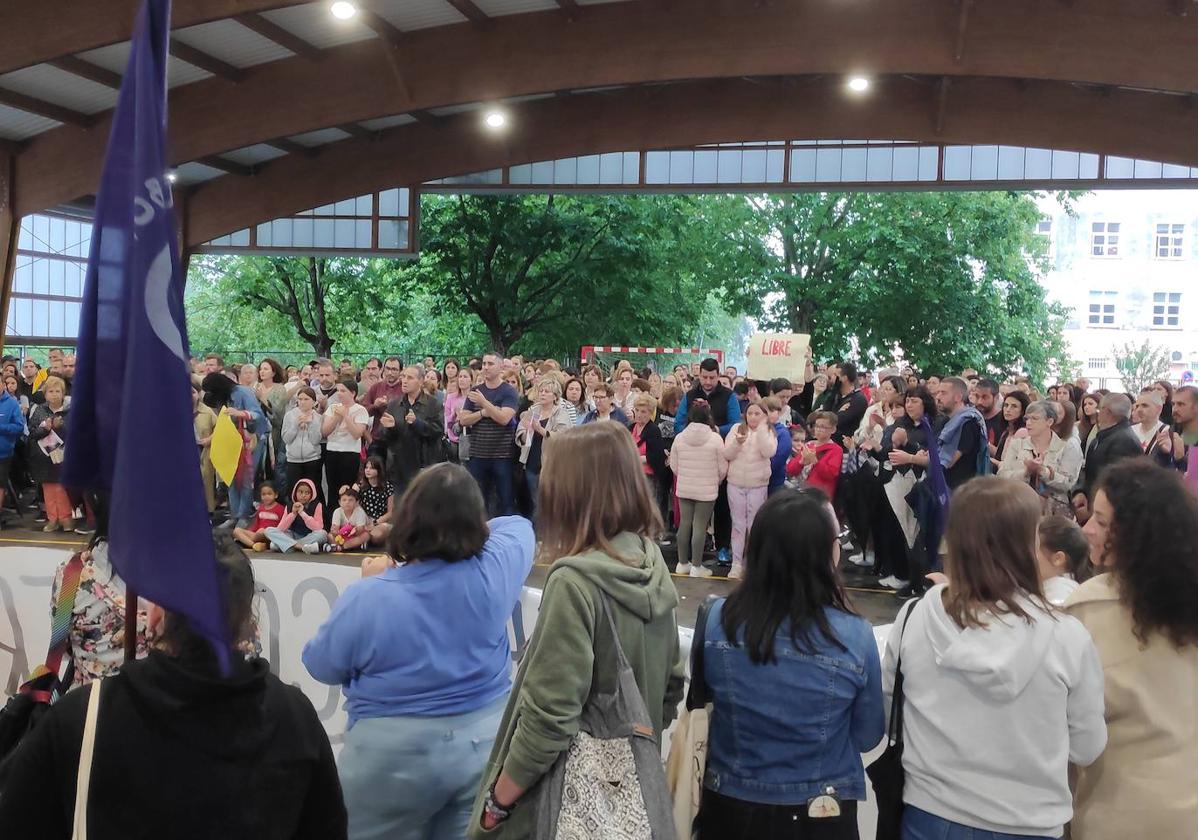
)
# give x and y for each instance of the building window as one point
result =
(1166, 309)
(1097, 363)
(1168, 241)
(1176, 357)
(1102, 309)
(1044, 226)
(1104, 239)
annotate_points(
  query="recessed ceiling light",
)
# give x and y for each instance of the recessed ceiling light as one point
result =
(172, 176)
(496, 119)
(343, 10)
(859, 84)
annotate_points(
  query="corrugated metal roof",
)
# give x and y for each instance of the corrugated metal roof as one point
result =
(498, 8)
(410, 15)
(318, 27)
(232, 43)
(387, 122)
(319, 138)
(18, 125)
(115, 56)
(60, 88)
(253, 155)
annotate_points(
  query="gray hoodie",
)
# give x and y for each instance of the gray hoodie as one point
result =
(994, 715)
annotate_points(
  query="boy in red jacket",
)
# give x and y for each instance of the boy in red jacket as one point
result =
(817, 461)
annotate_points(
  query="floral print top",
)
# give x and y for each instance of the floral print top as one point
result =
(98, 626)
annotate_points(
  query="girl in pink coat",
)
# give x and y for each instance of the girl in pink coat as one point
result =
(697, 459)
(748, 450)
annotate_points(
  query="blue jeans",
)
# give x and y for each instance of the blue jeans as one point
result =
(284, 541)
(533, 480)
(494, 474)
(241, 493)
(416, 778)
(920, 825)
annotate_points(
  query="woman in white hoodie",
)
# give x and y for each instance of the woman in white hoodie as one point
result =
(697, 459)
(748, 450)
(1001, 691)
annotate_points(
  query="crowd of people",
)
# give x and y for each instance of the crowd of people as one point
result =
(1047, 662)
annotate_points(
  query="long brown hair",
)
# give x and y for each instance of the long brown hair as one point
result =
(991, 538)
(577, 511)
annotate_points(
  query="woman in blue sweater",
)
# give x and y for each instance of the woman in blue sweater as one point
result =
(421, 651)
(795, 681)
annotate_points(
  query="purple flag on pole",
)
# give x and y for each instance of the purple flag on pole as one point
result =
(131, 428)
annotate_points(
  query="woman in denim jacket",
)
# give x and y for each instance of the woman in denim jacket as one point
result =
(797, 694)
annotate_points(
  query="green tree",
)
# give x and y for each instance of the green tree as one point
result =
(545, 274)
(1140, 364)
(946, 279)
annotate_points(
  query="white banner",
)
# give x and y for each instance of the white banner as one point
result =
(294, 598)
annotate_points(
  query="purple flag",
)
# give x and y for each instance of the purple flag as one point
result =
(131, 428)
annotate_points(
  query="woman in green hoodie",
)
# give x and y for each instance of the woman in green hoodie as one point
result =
(600, 537)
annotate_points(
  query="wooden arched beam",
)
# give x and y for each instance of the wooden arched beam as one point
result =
(1046, 115)
(1101, 42)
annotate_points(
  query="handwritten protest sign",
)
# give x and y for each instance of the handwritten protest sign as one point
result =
(778, 355)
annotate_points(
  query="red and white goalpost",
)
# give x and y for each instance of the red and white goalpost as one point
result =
(590, 352)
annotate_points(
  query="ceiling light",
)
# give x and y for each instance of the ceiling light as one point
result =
(343, 10)
(496, 119)
(172, 176)
(858, 84)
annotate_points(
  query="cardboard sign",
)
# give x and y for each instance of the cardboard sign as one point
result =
(778, 356)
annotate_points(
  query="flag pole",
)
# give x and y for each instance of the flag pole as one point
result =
(130, 624)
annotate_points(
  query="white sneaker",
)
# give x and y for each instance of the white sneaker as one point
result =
(887, 581)
(736, 572)
(698, 570)
(866, 559)
(683, 569)
(310, 548)
(894, 583)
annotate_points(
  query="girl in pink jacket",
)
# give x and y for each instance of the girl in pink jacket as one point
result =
(303, 524)
(748, 450)
(697, 459)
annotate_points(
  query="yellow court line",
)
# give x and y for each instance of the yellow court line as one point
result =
(37, 541)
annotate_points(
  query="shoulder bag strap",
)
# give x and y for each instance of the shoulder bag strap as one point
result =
(894, 729)
(86, 751)
(60, 625)
(696, 695)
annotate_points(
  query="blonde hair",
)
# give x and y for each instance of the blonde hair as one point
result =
(577, 513)
(645, 401)
(54, 382)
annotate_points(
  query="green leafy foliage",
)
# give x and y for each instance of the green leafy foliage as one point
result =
(1141, 364)
(946, 279)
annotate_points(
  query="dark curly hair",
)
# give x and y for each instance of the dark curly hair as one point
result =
(1151, 548)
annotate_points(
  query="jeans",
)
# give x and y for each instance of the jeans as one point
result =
(241, 493)
(284, 541)
(692, 529)
(724, 818)
(415, 778)
(743, 503)
(920, 825)
(533, 480)
(494, 474)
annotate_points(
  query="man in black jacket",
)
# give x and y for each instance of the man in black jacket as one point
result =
(180, 750)
(1114, 440)
(413, 427)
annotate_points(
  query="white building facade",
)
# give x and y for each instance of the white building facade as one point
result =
(1126, 264)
